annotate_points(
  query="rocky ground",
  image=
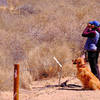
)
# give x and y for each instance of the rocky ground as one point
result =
(48, 90)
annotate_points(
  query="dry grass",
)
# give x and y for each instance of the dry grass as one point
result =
(36, 30)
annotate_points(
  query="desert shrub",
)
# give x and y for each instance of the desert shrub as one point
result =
(53, 29)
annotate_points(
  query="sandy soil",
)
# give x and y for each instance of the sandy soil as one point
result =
(48, 90)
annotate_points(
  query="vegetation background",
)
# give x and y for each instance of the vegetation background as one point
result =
(32, 32)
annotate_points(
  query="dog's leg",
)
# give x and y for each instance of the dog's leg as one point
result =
(93, 85)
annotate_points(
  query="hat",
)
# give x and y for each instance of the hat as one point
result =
(96, 23)
(91, 22)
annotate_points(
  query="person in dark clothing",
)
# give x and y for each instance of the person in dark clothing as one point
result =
(92, 34)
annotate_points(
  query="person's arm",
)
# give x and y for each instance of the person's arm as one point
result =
(88, 33)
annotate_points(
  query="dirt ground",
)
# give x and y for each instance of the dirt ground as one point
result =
(48, 90)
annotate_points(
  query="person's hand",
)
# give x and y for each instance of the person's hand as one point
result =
(89, 25)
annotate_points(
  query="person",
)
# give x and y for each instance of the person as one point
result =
(91, 32)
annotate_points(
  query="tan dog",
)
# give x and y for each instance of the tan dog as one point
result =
(88, 79)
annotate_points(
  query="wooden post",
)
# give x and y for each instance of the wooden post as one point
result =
(16, 81)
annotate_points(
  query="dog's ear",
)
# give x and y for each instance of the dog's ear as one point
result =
(74, 61)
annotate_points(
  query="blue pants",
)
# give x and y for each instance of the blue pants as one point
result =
(93, 61)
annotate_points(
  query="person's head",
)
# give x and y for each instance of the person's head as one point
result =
(96, 24)
(90, 24)
(93, 24)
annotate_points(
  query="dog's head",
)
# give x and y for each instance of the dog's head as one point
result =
(79, 61)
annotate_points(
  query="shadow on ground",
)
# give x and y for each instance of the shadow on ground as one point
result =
(72, 87)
